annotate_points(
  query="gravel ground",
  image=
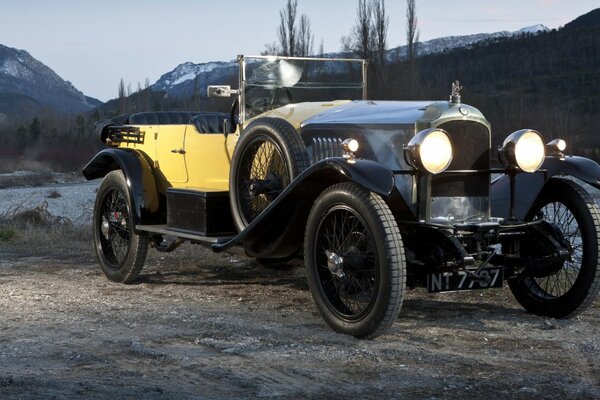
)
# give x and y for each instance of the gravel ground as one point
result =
(200, 325)
(216, 326)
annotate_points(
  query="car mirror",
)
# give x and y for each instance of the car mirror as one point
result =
(221, 91)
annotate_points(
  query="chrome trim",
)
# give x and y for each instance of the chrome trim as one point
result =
(241, 95)
(365, 67)
(242, 56)
(323, 148)
(460, 208)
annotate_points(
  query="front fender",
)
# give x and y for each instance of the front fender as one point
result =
(528, 186)
(137, 172)
(278, 232)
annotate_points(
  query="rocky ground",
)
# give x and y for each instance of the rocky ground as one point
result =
(201, 325)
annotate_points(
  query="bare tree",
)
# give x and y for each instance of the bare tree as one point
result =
(368, 38)
(271, 49)
(288, 29)
(321, 49)
(304, 46)
(380, 26)
(412, 31)
(122, 97)
(121, 88)
(363, 30)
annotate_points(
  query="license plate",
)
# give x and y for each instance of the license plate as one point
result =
(461, 280)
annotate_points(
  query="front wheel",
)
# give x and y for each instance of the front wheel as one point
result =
(354, 261)
(119, 250)
(268, 156)
(573, 219)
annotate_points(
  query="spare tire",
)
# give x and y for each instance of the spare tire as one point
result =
(268, 156)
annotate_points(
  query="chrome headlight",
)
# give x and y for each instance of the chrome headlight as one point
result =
(430, 150)
(556, 147)
(350, 146)
(523, 150)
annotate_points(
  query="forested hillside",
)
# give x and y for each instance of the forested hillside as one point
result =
(549, 81)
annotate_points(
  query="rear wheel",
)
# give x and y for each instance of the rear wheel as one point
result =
(269, 155)
(119, 250)
(354, 261)
(568, 288)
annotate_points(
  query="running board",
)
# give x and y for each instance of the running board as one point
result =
(194, 237)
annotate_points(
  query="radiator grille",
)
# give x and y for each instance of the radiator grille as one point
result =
(471, 143)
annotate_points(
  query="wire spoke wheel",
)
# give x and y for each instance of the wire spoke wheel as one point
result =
(351, 291)
(354, 261)
(262, 176)
(560, 282)
(565, 288)
(120, 251)
(114, 232)
(268, 156)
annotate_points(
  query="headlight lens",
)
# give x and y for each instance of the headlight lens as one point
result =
(430, 150)
(350, 145)
(556, 147)
(524, 150)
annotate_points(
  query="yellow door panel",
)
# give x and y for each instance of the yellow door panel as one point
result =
(170, 153)
(207, 159)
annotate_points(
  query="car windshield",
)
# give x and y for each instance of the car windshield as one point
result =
(272, 82)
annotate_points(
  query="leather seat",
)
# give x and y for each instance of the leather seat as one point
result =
(211, 122)
(162, 118)
(205, 122)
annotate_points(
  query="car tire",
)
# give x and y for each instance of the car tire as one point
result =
(268, 156)
(354, 260)
(575, 283)
(120, 251)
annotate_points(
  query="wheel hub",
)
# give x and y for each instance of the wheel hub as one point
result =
(335, 263)
(115, 218)
(105, 227)
(271, 184)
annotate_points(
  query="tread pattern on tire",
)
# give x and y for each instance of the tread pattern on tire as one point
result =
(393, 248)
(594, 286)
(288, 139)
(595, 213)
(138, 250)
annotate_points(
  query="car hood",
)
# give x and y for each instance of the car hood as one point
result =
(371, 112)
(420, 114)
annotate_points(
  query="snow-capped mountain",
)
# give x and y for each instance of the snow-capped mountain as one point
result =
(452, 42)
(188, 79)
(27, 85)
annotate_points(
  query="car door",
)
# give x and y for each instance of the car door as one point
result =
(207, 159)
(170, 153)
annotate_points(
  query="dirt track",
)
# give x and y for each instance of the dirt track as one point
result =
(200, 325)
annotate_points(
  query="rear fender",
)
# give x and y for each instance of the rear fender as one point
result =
(529, 185)
(278, 232)
(137, 172)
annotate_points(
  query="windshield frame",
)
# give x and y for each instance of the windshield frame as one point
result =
(242, 61)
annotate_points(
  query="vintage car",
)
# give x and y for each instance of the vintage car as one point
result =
(374, 196)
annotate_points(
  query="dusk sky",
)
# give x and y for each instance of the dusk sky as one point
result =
(94, 44)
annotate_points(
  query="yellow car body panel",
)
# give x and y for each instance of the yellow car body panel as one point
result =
(182, 157)
(207, 158)
(170, 152)
(295, 114)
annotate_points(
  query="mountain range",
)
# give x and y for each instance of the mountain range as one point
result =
(27, 86)
(189, 78)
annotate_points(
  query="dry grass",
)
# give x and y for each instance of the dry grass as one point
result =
(36, 230)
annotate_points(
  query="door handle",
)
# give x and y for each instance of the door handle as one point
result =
(178, 151)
